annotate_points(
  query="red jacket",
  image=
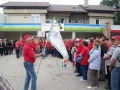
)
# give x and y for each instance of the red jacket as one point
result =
(80, 48)
(22, 43)
(90, 46)
(17, 45)
(33, 44)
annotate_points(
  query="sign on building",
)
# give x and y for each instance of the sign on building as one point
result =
(46, 27)
(41, 33)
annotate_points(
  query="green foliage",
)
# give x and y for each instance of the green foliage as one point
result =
(115, 4)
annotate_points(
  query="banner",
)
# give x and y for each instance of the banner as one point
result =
(47, 35)
(56, 40)
(41, 33)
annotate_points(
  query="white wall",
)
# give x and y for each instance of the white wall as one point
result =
(2, 18)
(23, 18)
(102, 20)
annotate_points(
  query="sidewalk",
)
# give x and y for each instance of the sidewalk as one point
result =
(50, 76)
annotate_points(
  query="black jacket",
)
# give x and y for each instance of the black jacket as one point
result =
(1, 45)
(5, 46)
(104, 49)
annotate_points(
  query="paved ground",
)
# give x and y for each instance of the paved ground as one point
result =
(50, 76)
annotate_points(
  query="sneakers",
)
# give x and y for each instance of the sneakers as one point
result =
(90, 87)
(82, 80)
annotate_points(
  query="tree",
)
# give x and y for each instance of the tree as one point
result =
(115, 4)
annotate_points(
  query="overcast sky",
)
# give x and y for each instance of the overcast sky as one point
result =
(68, 2)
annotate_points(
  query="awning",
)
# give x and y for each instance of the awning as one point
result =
(38, 26)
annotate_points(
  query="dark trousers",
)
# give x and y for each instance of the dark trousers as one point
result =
(60, 56)
(109, 76)
(52, 52)
(102, 71)
(1, 51)
(84, 69)
(17, 53)
(70, 55)
(77, 67)
(11, 50)
(55, 53)
(5, 51)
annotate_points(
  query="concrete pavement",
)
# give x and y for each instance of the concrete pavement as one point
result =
(50, 76)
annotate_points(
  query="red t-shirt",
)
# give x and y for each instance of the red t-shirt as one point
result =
(85, 53)
(80, 48)
(17, 45)
(67, 47)
(28, 53)
(47, 44)
(52, 48)
(33, 44)
(90, 46)
(22, 42)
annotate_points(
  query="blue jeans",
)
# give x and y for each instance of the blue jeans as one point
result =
(55, 53)
(84, 70)
(115, 78)
(30, 74)
(45, 52)
(21, 49)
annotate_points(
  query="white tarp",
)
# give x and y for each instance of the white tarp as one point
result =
(55, 38)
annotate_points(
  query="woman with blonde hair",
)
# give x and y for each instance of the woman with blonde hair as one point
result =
(94, 65)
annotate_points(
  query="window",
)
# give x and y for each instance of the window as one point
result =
(76, 21)
(62, 20)
(49, 20)
(97, 21)
(35, 18)
(70, 21)
(81, 21)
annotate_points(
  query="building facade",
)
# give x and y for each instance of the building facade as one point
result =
(33, 14)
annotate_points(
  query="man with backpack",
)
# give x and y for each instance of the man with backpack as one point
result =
(115, 65)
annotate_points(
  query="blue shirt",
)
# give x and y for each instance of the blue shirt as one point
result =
(95, 60)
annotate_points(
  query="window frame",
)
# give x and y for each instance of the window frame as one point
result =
(96, 20)
(35, 15)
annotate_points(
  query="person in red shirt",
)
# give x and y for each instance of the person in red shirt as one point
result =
(17, 48)
(52, 50)
(48, 47)
(29, 59)
(90, 44)
(84, 63)
(79, 50)
(80, 47)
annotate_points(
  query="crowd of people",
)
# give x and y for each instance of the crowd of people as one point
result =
(92, 58)
(97, 59)
(6, 47)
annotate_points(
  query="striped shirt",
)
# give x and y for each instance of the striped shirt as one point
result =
(109, 52)
(4, 84)
(116, 56)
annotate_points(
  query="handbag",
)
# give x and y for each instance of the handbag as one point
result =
(79, 59)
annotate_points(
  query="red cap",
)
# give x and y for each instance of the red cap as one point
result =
(26, 36)
(115, 38)
(80, 40)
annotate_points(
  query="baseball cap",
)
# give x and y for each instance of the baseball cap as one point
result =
(26, 36)
(115, 38)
